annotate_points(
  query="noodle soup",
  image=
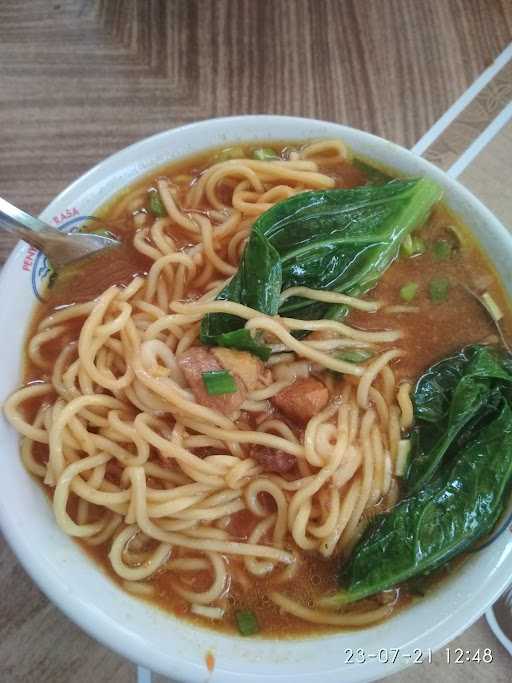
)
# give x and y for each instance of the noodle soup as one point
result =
(225, 424)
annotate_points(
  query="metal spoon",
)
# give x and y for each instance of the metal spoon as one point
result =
(60, 248)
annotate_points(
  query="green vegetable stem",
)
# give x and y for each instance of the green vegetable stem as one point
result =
(355, 355)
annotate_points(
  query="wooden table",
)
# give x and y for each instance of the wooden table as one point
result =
(81, 79)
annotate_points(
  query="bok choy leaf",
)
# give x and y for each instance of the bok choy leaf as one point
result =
(336, 240)
(445, 518)
(450, 400)
(459, 478)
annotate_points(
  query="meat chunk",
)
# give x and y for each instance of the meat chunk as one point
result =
(193, 363)
(242, 364)
(272, 459)
(302, 400)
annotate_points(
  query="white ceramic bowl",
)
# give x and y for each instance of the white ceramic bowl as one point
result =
(139, 631)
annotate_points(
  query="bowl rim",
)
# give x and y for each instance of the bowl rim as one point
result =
(108, 629)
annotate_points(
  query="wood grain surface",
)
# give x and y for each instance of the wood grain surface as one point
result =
(81, 79)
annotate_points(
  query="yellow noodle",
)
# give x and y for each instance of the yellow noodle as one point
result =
(122, 440)
(322, 617)
(400, 309)
(33, 390)
(217, 587)
(367, 477)
(170, 205)
(330, 298)
(41, 338)
(405, 404)
(370, 373)
(157, 559)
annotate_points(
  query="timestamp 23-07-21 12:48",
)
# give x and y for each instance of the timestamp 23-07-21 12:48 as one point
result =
(459, 655)
(391, 655)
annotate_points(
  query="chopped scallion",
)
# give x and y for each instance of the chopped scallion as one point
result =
(219, 382)
(408, 291)
(156, 205)
(441, 250)
(418, 245)
(438, 289)
(246, 622)
(406, 246)
(412, 246)
(265, 154)
(354, 355)
(236, 152)
(244, 341)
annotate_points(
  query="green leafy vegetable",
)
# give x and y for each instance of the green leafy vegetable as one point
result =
(441, 250)
(219, 382)
(246, 622)
(265, 154)
(451, 399)
(456, 498)
(243, 341)
(445, 518)
(438, 289)
(355, 355)
(336, 240)
(156, 205)
(408, 291)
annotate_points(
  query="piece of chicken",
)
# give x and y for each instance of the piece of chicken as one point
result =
(303, 399)
(242, 364)
(197, 360)
(273, 459)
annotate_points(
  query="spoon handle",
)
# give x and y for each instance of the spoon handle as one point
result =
(60, 248)
(37, 233)
(17, 221)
